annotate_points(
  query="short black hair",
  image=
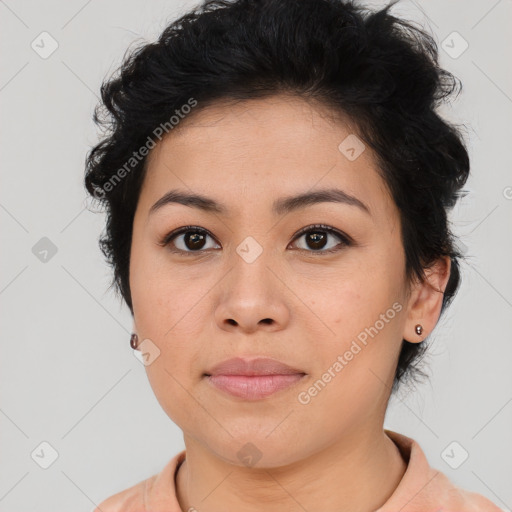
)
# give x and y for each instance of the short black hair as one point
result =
(380, 71)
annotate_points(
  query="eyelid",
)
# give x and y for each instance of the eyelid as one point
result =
(345, 239)
(323, 227)
(177, 232)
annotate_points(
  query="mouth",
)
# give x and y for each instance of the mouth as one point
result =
(253, 387)
(253, 379)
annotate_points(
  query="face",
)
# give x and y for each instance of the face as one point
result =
(243, 281)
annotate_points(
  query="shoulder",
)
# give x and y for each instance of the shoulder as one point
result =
(157, 492)
(128, 500)
(456, 498)
(424, 488)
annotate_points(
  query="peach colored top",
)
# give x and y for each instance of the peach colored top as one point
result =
(422, 489)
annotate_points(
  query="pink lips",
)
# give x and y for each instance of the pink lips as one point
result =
(253, 379)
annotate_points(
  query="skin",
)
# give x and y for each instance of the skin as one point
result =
(298, 306)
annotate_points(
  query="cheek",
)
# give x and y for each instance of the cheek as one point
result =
(167, 310)
(355, 366)
(348, 300)
(154, 294)
(171, 317)
(364, 318)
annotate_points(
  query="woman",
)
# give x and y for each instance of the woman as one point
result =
(277, 182)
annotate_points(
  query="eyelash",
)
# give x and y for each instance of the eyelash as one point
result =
(345, 240)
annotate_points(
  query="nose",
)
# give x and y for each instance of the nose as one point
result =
(252, 298)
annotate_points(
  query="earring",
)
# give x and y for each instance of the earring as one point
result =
(134, 341)
(419, 329)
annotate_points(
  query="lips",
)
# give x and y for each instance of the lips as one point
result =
(253, 379)
(252, 367)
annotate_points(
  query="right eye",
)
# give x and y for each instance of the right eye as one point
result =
(186, 240)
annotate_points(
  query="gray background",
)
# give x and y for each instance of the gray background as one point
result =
(68, 375)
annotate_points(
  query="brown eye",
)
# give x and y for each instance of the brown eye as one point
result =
(317, 238)
(189, 239)
(194, 241)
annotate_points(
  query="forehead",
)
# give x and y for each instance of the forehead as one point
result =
(250, 152)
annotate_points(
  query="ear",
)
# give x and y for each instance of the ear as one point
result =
(426, 301)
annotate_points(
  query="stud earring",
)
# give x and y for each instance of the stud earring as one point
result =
(134, 341)
(419, 329)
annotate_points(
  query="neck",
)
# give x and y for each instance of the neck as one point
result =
(358, 474)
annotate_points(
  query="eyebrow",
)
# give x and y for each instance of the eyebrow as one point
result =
(279, 207)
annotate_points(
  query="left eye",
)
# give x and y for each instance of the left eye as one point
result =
(192, 239)
(316, 238)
